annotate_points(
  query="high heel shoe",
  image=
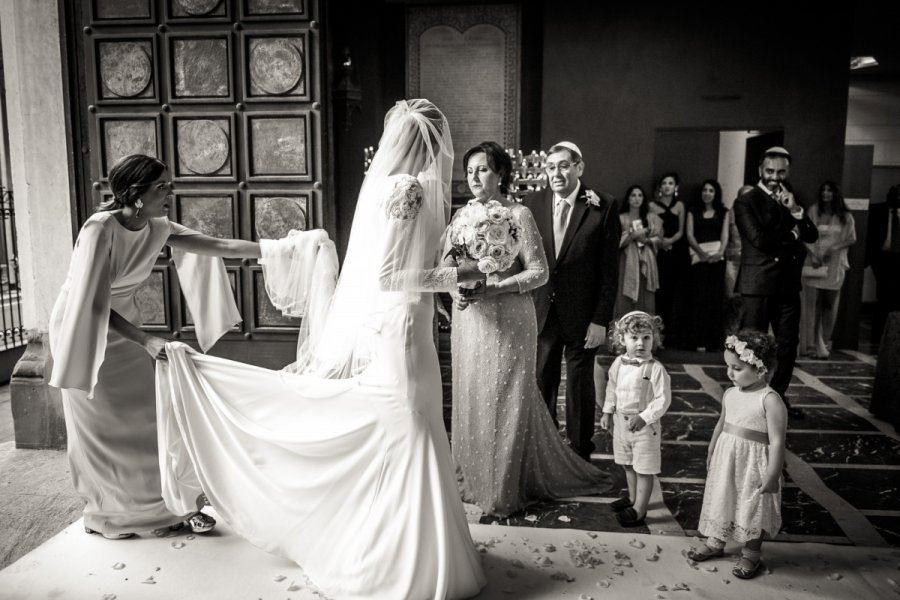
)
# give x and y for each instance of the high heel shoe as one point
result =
(200, 522)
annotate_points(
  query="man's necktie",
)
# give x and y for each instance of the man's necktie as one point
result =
(560, 215)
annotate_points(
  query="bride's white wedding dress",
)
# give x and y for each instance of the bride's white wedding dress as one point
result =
(351, 478)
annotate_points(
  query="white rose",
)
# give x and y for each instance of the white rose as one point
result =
(487, 265)
(496, 234)
(478, 248)
(496, 252)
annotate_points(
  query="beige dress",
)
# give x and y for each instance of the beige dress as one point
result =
(107, 382)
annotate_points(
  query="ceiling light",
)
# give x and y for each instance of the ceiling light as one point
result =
(861, 62)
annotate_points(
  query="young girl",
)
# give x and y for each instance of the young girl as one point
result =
(742, 500)
(638, 394)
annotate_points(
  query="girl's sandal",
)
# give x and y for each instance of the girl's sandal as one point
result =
(743, 572)
(706, 553)
(200, 522)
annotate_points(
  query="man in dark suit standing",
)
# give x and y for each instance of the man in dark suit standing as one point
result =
(883, 255)
(580, 231)
(773, 230)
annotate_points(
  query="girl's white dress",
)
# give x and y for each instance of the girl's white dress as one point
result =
(732, 505)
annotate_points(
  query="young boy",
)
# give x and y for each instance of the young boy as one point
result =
(637, 396)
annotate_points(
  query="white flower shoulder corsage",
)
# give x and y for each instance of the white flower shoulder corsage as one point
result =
(591, 198)
(744, 353)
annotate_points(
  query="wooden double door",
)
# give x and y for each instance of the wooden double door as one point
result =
(227, 93)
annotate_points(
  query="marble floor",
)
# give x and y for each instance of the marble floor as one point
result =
(842, 473)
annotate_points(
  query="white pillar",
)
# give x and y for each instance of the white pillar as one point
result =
(35, 103)
(39, 176)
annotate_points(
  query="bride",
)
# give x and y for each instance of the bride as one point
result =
(341, 462)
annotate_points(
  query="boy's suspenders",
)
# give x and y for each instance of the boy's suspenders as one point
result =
(646, 388)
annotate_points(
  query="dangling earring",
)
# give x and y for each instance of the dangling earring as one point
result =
(138, 204)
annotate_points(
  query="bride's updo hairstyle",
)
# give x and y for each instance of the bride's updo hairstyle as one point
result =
(130, 178)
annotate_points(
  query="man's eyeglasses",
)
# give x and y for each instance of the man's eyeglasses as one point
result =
(563, 167)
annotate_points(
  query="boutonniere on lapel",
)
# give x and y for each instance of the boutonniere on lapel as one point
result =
(591, 199)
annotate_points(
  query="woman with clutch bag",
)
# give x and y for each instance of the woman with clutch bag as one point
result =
(707, 234)
(823, 273)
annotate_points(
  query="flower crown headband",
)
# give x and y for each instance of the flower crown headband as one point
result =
(747, 355)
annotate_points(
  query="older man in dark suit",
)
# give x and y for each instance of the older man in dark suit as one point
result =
(773, 230)
(580, 231)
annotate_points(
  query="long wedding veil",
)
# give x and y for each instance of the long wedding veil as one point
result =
(386, 257)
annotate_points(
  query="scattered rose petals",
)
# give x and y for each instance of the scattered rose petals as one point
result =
(835, 576)
(560, 576)
(150, 580)
(623, 563)
(178, 545)
(569, 544)
(190, 537)
(518, 564)
(681, 587)
(618, 571)
(585, 597)
(543, 561)
(652, 558)
(118, 566)
(279, 578)
(658, 550)
(660, 597)
(662, 588)
(604, 583)
(726, 581)
(710, 568)
(549, 548)
(621, 556)
(108, 597)
(294, 587)
(692, 564)
(564, 519)
(636, 544)
(592, 535)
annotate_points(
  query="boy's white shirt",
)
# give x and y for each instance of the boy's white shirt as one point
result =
(623, 390)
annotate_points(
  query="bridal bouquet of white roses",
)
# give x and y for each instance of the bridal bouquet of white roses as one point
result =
(487, 233)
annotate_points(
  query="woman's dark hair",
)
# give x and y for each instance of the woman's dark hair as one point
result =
(130, 178)
(645, 205)
(717, 204)
(838, 204)
(497, 159)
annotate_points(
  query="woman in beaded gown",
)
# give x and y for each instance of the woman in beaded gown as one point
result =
(506, 447)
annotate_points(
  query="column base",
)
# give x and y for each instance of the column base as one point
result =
(37, 408)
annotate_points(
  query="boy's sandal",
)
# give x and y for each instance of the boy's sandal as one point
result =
(109, 536)
(705, 553)
(623, 502)
(629, 518)
(742, 572)
(200, 522)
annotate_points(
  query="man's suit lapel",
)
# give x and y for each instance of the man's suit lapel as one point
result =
(579, 211)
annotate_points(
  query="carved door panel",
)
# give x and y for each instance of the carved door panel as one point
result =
(226, 93)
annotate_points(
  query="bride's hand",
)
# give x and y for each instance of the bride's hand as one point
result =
(461, 303)
(155, 347)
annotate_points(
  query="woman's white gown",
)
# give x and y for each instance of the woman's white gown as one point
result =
(350, 478)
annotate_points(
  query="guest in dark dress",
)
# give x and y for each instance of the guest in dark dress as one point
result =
(673, 263)
(707, 234)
